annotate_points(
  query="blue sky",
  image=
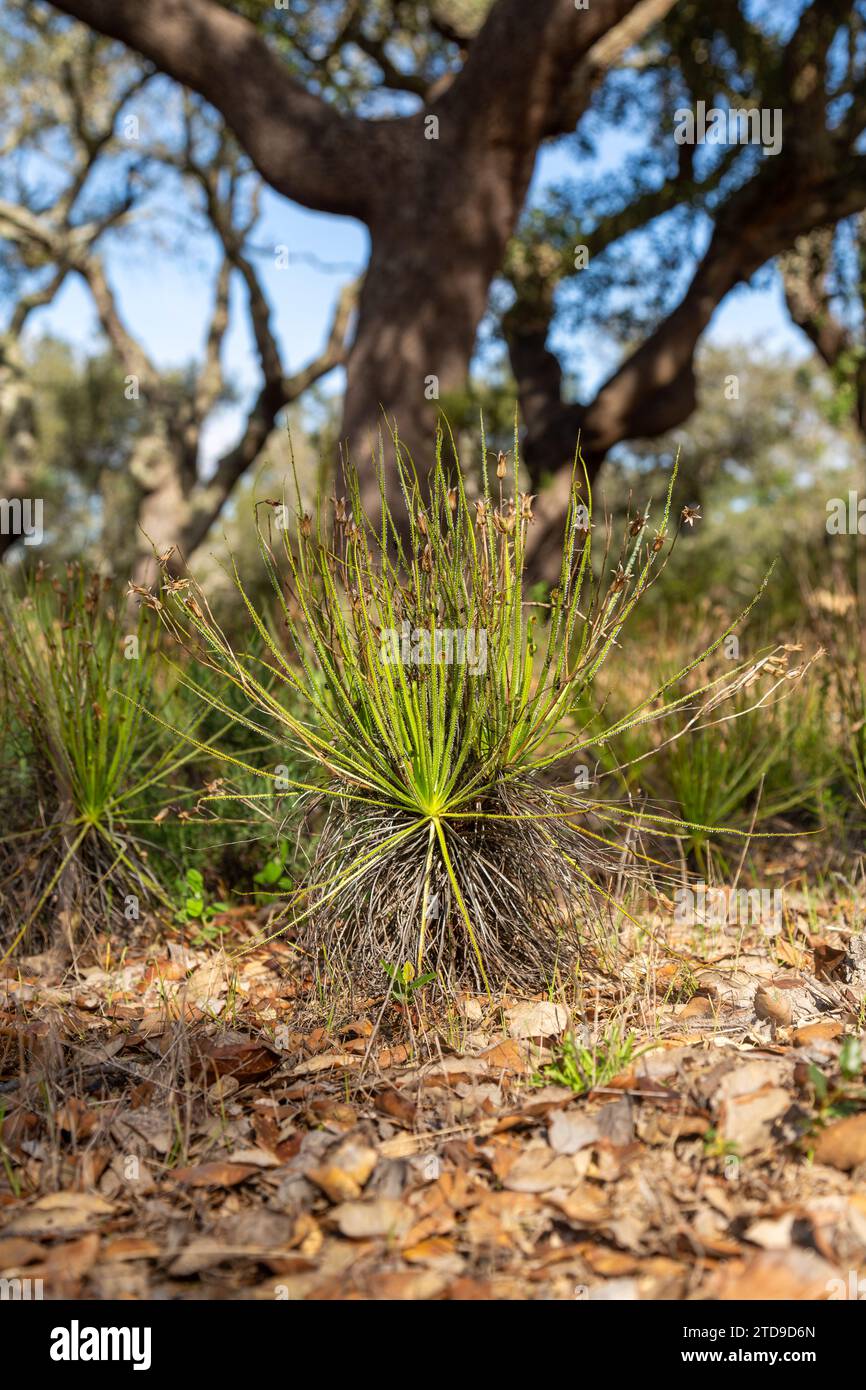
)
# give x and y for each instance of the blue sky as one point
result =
(165, 297)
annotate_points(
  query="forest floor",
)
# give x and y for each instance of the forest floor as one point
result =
(178, 1123)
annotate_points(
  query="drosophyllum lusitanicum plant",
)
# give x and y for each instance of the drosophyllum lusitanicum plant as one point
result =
(440, 712)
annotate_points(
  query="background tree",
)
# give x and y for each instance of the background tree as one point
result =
(425, 121)
(42, 119)
(76, 180)
(429, 138)
(683, 225)
(825, 290)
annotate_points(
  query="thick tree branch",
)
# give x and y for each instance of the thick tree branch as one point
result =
(133, 358)
(654, 390)
(512, 85)
(809, 298)
(805, 271)
(303, 147)
(604, 54)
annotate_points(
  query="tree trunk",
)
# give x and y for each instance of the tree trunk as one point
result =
(419, 309)
(426, 290)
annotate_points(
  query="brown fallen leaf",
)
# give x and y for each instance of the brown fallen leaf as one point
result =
(507, 1055)
(570, 1131)
(623, 1290)
(397, 1106)
(131, 1248)
(586, 1205)
(823, 1031)
(382, 1216)
(165, 969)
(343, 1176)
(699, 1006)
(775, 1275)
(254, 1158)
(77, 1119)
(307, 1236)
(502, 1219)
(843, 1144)
(243, 1060)
(747, 1121)
(325, 1062)
(334, 1114)
(16, 1252)
(253, 1234)
(415, 1285)
(616, 1122)
(72, 1260)
(404, 1145)
(149, 1123)
(538, 1169)
(79, 1201)
(61, 1212)
(661, 1126)
(774, 1233)
(775, 1005)
(206, 1252)
(538, 1019)
(611, 1264)
(216, 1174)
(437, 1252)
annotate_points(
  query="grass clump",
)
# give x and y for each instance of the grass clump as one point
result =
(583, 1068)
(437, 706)
(83, 766)
(731, 763)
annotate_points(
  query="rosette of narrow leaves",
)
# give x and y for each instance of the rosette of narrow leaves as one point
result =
(439, 704)
(89, 767)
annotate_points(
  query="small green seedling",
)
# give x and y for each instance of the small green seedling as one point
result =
(272, 878)
(836, 1098)
(404, 982)
(197, 909)
(581, 1068)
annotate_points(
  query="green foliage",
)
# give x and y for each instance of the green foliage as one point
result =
(77, 675)
(404, 982)
(356, 57)
(851, 1058)
(835, 1097)
(583, 1068)
(196, 907)
(441, 836)
(743, 765)
(272, 878)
